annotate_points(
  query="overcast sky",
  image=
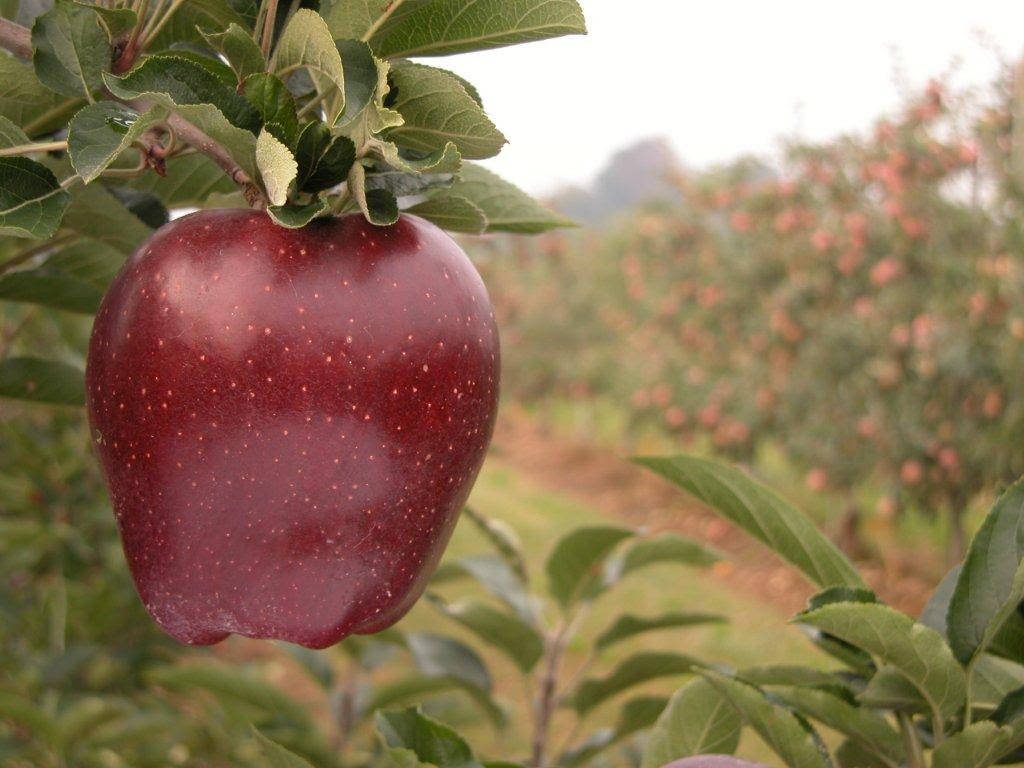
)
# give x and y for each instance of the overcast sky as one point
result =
(722, 77)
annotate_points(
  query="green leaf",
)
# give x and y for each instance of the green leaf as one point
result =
(364, 76)
(239, 48)
(917, 651)
(791, 675)
(117, 21)
(70, 50)
(495, 575)
(697, 721)
(411, 739)
(666, 548)
(25, 100)
(277, 756)
(297, 216)
(635, 715)
(190, 180)
(307, 43)
(441, 27)
(94, 212)
(436, 109)
(26, 713)
(31, 199)
(503, 538)
(761, 513)
(195, 17)
(88, 261)
(576, 560)
(417, 687)
(42, 381)
(635, 669)
(889, 688)
(443, 656)
(177, 82)
(991, 582)
(316, 663)
(324, 161)
(275, 104)
(507, 208)
(147, 207)
(378, 205)
(38, 286)
(451, 212)
(11, 135)
(350, 19)
(977, 746)
(850, 754)
(993, 679)
(278, 168)
(506, 632)
(787, 734)
(446, 160)
(629, 625)
(867, 728)
(100, 132)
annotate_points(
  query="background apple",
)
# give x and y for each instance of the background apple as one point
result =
(290, 420)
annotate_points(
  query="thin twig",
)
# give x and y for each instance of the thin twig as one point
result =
(28, 149)
(269, 21)
(20, 258)
(381, 19)
(151, 35)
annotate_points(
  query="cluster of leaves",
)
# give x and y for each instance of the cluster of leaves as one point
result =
(858, 307)
(114, 114)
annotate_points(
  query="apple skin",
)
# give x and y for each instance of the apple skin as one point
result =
(289, 421)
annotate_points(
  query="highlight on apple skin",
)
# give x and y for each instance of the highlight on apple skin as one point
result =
(289, 421)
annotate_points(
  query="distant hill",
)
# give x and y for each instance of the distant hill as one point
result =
(635, 175)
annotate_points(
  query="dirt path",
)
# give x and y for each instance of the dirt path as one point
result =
(600, 478)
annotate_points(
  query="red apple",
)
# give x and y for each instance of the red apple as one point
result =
(290, 421)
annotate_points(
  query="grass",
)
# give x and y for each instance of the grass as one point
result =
(757, 634)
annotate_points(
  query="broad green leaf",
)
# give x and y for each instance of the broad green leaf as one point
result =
(26, 101)
(503, 538)
(146, 206)
(445, 160)
(635, 669)
(443, 656)
(628, 625)
(88, 261)
(324, 161)
(31, 199)
(840, 595)
(316, 663)
(70, 50)
(577, 558)
(889, 688)
(992, 680)
(117, 21)
(278, 168)
(39, 286)
(211, 63)
(415, 688)
(441, 27)
(451, 212)
(436, 109)
(350, 19)
(991, 582)
(850, 754)
(917, 651)
(870, 730)
(239, 48)
(499, 578)
(977, 746)
(175, 81)
(378, 205)
(365, 119)
(11, 135)
(277, 756)
(788, 735)
(635, 715)
(42, 381)
(190, 180)
(195, 17)
(275, 104)
(100, 132)
(666, 548)
(506, 632)
(232, 684)
(507, 208)
(410, 739)
(697, 721)
(296, 216)
(94, 212)
(760, 512)
(364, 76)
(306, 43)
(789, 675)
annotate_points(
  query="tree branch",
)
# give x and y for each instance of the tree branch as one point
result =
(18, 40)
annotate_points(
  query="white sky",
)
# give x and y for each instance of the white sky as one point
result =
(721, 77)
